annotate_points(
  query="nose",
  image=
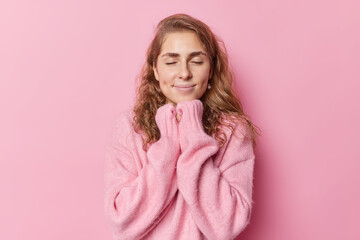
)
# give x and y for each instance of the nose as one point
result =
(185, 72)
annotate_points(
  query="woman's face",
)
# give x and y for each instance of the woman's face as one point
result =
(183, 67)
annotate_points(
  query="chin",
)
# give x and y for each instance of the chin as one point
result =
(179, 99)
(184, 99)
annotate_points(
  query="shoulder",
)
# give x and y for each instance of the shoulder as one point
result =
(233, 124)
(124, 118)
(236, 129)
(122, 126)
(238, 145)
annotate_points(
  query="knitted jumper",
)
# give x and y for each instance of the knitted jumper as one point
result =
(184, 186)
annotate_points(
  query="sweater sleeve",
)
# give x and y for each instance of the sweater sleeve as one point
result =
(135, 201)
(219, 198)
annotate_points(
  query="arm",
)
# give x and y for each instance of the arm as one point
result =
(136, 201)
(219, 198)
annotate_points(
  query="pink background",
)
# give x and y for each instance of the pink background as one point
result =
(68, 67)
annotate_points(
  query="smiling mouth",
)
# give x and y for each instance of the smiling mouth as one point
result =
(185, 88)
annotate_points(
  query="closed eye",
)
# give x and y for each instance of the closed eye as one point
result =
(192, 62)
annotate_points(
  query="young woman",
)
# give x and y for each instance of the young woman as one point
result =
(180, 165)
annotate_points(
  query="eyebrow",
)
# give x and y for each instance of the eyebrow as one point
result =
(171, 54)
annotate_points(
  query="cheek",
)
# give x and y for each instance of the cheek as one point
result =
(203, 71)
(166, 77)
(203, 75)
(164, 82)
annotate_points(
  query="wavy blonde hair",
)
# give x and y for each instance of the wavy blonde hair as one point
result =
(219, 101)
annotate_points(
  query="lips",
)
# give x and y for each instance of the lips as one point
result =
(184, 86)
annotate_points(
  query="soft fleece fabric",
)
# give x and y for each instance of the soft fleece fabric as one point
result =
(185, 186)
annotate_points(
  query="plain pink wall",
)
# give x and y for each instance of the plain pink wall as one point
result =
(68, 67)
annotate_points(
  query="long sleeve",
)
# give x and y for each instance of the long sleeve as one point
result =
(135, 201)
(219, 197)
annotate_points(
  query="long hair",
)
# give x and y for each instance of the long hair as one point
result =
(218, 101)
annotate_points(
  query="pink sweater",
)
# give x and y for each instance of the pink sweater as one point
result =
(185, 186)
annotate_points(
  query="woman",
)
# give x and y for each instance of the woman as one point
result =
(180, 165)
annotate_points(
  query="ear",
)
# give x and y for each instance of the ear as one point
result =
(156, 72)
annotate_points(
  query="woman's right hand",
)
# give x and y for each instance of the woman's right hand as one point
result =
(167, 120)
(137, 198)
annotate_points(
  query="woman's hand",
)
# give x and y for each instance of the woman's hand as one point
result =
(165, 120)
(178, 117)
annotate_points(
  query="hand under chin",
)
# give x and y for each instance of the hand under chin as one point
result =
(178, 117)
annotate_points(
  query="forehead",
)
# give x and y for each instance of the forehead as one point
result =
(182, 43)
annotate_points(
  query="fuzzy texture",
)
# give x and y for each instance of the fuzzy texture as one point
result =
(185, 186)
